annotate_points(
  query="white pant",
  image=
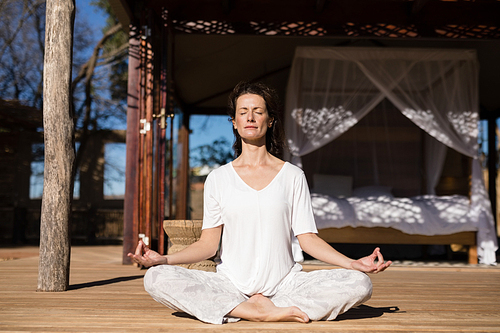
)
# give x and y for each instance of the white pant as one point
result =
(209, 296)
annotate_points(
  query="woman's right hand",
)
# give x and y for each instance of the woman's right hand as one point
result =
(146, 257)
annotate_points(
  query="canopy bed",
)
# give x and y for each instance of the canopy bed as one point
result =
(384, 137)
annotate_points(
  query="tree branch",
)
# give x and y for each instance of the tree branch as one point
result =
(87, 71)
(90, 65)
(29, 9)
(113, 56)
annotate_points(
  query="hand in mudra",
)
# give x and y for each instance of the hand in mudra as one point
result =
(146, 257)
(368, 265)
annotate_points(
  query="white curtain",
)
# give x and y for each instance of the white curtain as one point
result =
(330, 89)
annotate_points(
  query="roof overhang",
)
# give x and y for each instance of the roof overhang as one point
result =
(218, 43)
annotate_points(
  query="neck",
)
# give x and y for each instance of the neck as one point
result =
(252, 154)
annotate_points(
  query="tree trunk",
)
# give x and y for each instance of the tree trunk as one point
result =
(55, 248)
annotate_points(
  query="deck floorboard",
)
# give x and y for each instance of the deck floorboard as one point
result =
(106, 296)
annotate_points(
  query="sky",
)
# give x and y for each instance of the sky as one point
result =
(93, 15)
(205, 129)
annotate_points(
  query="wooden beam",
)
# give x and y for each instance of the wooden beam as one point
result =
(380, 235)
(130, 212)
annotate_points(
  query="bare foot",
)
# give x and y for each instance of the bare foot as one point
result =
(260, 308)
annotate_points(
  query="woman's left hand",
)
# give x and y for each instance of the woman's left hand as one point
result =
(368, 265)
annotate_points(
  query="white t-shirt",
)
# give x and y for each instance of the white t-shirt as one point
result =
(256, 252)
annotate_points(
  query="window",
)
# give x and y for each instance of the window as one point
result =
(114, 170)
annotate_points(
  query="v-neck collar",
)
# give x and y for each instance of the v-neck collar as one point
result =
(251, 188)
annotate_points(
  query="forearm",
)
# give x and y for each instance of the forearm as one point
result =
(195, 252)
(321, 250)
(206, 247)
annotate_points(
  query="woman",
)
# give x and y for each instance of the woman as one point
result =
(257, 203)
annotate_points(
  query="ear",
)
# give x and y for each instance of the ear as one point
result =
(271, 121)
(234, 123)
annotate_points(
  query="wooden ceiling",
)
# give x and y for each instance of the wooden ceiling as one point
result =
(354, 18)
(220, 42)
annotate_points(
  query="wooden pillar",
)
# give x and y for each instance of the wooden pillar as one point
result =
(142, 138)
(183, 172)
(131, 203)
(170, 104)
(492, 167)
(165, 111)
(148, 145)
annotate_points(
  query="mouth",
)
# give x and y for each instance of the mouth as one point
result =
(250, 127)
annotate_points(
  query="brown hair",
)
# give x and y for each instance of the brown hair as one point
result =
(275, 135)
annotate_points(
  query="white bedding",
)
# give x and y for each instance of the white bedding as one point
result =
(423, 215)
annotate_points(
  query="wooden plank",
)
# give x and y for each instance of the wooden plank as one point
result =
(379, 235)
(106, 296)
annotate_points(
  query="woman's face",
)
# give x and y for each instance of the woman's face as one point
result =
(251, 119)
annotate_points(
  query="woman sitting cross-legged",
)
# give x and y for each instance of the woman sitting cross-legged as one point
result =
(257, 204)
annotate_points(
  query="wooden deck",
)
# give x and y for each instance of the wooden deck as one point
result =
(106, 296)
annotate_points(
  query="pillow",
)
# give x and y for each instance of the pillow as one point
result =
(332, 185)
(372, 191)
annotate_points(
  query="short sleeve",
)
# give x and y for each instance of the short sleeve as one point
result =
(302, 212)
(211, 203)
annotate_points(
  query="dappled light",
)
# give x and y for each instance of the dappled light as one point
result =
(426, 119)
(423, 215)
(328, 211)
(452, 209)
(384, 209)
(321, 124)
(465, 123)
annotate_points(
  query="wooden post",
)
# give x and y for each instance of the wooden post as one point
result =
(142, 126)
(161, 137)
(183, 172)
(55, 247)
(148, 144)
(492, 165)
(131, 202)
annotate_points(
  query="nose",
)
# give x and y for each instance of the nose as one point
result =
(250, 117)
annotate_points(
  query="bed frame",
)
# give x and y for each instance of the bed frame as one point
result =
(379, 235)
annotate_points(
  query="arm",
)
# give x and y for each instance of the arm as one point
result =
(202, 249)
(320, 250)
